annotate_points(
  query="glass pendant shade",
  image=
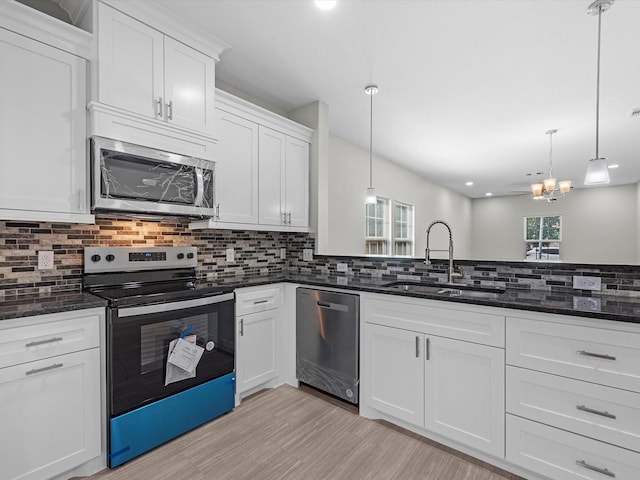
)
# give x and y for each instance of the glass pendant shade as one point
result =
(597, 172)
(536, 189)
(370, 198)
(565, 186)
(549, 184)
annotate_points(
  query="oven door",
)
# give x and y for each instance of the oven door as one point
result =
(139, 339)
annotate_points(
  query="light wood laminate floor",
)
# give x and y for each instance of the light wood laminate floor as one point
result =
(295, 434)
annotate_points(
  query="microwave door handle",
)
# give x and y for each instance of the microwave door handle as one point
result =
(199, 187)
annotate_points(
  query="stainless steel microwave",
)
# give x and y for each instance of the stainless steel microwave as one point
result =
(139, 180)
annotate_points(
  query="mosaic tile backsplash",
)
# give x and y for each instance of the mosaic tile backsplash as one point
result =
(256, 253)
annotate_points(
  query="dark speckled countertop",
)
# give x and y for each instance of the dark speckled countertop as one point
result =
(607, 307)
(30, 305)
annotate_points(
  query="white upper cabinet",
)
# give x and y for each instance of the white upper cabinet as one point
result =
(130, 64)
(43, 173)
(262, 169)
(236, 155)
(272, 177)
(296, 183)
(145, 72)
(189, 87)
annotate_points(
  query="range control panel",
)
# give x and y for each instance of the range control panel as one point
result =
(123, 259)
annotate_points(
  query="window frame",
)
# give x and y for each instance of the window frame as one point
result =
(541, 243)
(385, 239)
(409, 226)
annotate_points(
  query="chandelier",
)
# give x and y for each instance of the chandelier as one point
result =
(546, 190)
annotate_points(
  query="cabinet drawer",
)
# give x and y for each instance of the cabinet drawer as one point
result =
(468, 325)
(35, 342)
(599, 412)
(252, 301)
(596, 355)
(565, 456)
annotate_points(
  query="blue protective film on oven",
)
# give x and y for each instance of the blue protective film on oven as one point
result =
(140, 430)
(187, 331)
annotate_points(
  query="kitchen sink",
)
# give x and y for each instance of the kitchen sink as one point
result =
(448, 290)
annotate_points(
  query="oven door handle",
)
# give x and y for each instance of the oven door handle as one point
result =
(165, 307)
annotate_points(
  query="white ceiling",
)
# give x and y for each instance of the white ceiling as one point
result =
(467, 87)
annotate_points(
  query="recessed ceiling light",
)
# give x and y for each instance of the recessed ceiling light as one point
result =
(326, 4)
(488, 194)
(615, 165)
(468, 184)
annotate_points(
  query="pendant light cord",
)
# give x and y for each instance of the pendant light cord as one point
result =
(550, 154)
(371, 145)
(598, 85)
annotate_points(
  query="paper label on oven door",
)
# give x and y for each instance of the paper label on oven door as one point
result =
(186, 355)
(173, 373)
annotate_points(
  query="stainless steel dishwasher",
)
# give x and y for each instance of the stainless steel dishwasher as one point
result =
(327, 341)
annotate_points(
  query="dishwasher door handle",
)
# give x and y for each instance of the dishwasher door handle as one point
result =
(332, 306)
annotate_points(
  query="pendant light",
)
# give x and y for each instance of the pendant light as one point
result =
(370, 199)
(597, 168)
(547, 188)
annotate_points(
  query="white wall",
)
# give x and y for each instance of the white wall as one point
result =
(348, 178)
(599, 225)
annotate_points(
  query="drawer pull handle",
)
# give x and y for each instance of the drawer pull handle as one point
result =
(257, 302)
(603, 471)
(417, 347)
(44, 369)
(43, 342)
(596, 412)
(427, 350)
(596, 355)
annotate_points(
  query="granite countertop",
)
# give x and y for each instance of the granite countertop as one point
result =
(31, 305)
(601, 306)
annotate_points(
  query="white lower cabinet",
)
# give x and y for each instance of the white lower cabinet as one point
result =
(258, 334)
(50, 406)
(256, 361)
(464, 393)
(561, 455)
(395, 373)
(573, 398)
(445, 386)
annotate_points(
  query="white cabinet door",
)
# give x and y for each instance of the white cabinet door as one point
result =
(236, 156)
(50, 415)
(130, 64)
(297, 182)
(272, 148)
(42, 152)
(189, 87)
(256, 350)
(394, 372)
(464, 393)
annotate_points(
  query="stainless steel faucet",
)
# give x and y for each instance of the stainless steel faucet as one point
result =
(428, 251)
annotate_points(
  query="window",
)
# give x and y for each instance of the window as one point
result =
(403, 239)
(377, 238)
(542, 237)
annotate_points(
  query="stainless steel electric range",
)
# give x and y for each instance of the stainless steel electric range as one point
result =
(170, 345)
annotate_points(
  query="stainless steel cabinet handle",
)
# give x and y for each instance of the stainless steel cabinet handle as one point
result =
(170, 110)
(595, 412)
(80, 202)
(242, 327)
(44, 369)
(427, 350)
(603, 471)
(417, 347)
(217, 211)
(595, 355)
(284, 217)
(289, 218)
(159, 107)
(42, 342)
(256, 302)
